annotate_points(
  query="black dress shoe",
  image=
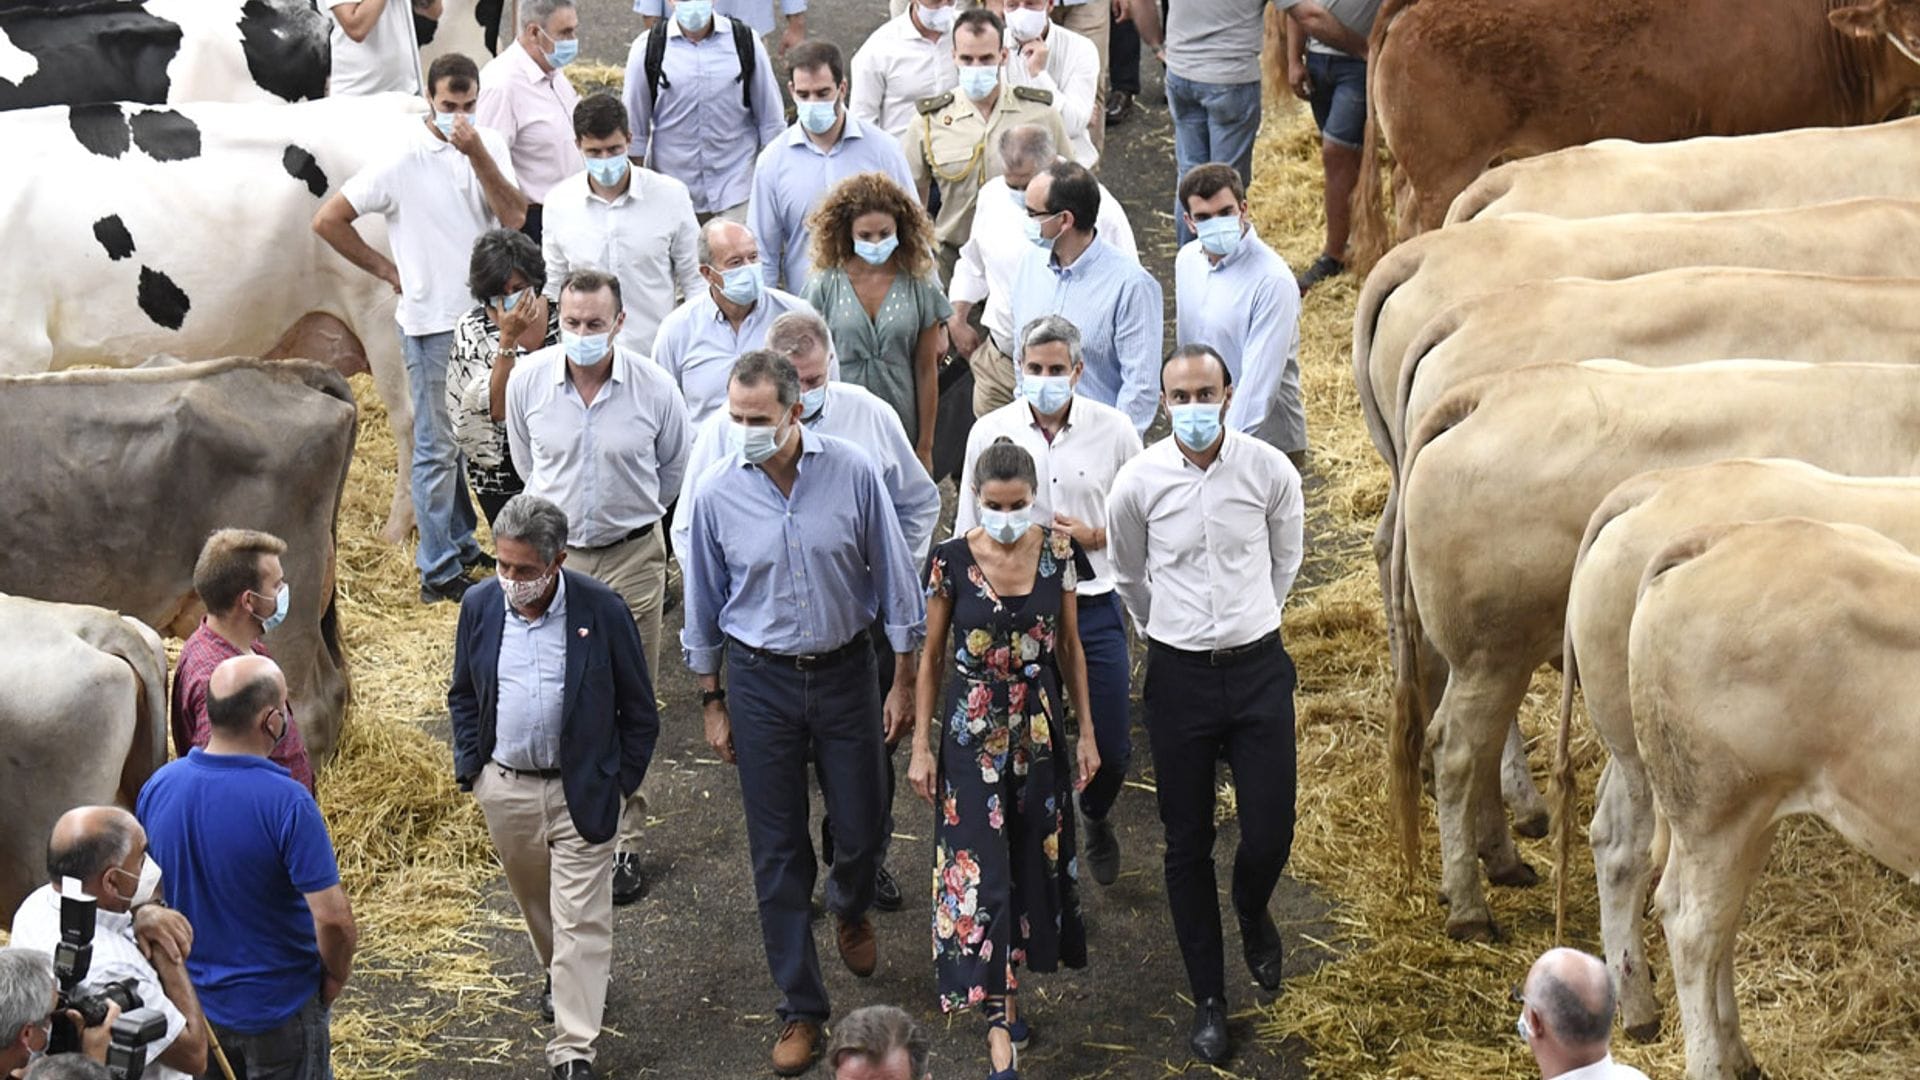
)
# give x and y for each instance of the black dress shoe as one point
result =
(452, 589)
(628, 883)
(1324, 267)
(1103, 850)
(482, 561)
(1260, 944)
(886, 891)
(577, 1069)
(1209, 1040)
(1119, 106)
(546, 1001)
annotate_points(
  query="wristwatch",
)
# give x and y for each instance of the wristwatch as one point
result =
(708, 697)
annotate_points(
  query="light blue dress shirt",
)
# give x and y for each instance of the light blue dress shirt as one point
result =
(698, 132)
(1246, 307)
(696, 345)
(1116, 306)
(755, 13)
(792, 176)
(802, 573)
(532, 674)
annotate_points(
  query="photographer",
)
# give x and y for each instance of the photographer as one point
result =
(68, 1067)
(28, 994)
(105, 850)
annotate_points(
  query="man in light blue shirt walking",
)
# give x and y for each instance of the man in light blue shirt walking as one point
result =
(699, 340)
(755, 13)
(1076, 273)
(824, 146)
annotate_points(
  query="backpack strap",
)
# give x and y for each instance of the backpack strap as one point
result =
(654, 59)
(743, 45)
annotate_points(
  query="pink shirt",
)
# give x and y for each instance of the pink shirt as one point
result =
(202, 653)
(534, 110)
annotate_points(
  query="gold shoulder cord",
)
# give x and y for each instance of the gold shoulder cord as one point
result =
(976, 161)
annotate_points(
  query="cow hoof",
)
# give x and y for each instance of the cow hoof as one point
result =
(1644, 1033)
(1533, 826)
(1520, 876)
(1480, 930)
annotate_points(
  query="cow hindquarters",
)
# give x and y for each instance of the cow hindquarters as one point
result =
(1466, 737)
(1622, 834)
(1709, 873)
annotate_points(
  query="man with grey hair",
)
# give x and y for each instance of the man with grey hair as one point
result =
(787, 568)
(554, 724)
(879, 1042)
(698, 343)
(69, 1067)
(1566, 1018)
(1078, 446)
(992, 255)
(526, 97)
(27, 997)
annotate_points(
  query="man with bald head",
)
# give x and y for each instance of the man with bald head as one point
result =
(249, 864)
(1566, 1017)
(701, 339)
(101, 852)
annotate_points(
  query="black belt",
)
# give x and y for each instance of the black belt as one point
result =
(537, 774)
(1224, 657)
(634, 535)
(812, 661)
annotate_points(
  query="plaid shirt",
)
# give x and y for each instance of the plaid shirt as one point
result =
(202, 653)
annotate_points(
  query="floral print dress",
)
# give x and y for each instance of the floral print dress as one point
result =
(1005, 877)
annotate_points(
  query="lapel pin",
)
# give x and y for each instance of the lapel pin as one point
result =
(583, 631)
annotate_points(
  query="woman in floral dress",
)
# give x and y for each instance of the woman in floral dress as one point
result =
(1005, 889)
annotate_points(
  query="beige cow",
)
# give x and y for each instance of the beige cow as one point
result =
(1797, 167)
(1772, 674)
(1633, 523)
(1502, 477)
(83, 721)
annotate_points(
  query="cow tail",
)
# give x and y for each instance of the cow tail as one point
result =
(1486, 189)
(1369, 239)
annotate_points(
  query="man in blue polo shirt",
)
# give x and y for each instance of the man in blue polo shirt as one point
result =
(247, 860)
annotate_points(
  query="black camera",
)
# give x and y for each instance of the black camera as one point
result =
(137, 1025)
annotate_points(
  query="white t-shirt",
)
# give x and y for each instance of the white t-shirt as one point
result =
(389, 59)
(435, 210)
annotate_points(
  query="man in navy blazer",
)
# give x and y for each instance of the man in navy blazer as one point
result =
(553, 726)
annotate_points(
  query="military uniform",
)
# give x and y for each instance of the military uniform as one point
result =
(952, 145)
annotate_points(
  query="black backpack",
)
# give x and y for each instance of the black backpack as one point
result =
(743, 44)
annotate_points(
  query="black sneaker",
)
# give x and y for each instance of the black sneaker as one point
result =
(451, 589)
(629, 884)
(886, 891)
(482, 562)
(1103, 850)
(1324, 267)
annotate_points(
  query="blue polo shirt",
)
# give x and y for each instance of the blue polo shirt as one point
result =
(241, 844)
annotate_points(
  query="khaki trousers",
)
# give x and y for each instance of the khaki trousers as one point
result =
(637, 570)
(992, 376)
(564, 887)
(1094, 19)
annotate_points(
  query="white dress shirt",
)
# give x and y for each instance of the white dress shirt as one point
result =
(894, 69)
(992, 255)
(1071, 75)
(646, 237)
(1604, 1069)
(852, 413)
(611, 465)
(1204, 558)
(1073, 473)
(1247, 308)
(534, 110)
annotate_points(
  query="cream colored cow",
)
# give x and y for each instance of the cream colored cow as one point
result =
(1634, 522)
(1799, 167)
(1772, 673)
(1502, 477)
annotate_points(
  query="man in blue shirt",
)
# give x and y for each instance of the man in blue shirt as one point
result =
(795, 550)
(248, 862)
(824, 146)
(1077, 274)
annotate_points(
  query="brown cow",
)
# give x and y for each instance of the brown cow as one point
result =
(1456, 86)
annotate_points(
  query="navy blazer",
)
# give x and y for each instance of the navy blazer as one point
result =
(608, 721)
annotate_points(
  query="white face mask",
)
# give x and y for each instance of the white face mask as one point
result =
(149, 883)
(1026, 24)
(1006, 526)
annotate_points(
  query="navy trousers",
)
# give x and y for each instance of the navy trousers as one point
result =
(1103, 640)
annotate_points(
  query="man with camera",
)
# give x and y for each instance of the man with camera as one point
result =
(28, 1000)
(138, 947)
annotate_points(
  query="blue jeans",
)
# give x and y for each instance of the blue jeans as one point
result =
(1103, 641)
(1212, 122)
(1338, 95)
(440, 506)
(299, 1049)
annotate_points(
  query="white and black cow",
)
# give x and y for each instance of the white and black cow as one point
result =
(158, 52)
(138, 230)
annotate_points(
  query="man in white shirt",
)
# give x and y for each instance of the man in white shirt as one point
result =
(622, 219)
(1043, 54)
(993, 254)
(1205, 531)
(102, 850)
(374, 46)
(1566, 1018)
(438, 195)
(525, 95)
(1236, 294)
(1078, 446)
(722, 321)
(908, 59)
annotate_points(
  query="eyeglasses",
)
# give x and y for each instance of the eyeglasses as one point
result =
(1043, 215)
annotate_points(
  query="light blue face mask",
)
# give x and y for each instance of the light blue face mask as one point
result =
(693, 15)
(563, 53)
(978, 82)
(817, 116)
(1218, 235)
(507, 302)
(444, 121)
(1006, 526)
(876, 252)
(1048, 394)
(608, 171)
(1196, 425)
(742, 283)
(1019, 196)
(1044, 243)
(756, 444)
(282, 599)
(585, 350)
(812, 401)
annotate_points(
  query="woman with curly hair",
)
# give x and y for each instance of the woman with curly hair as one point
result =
(1000, 604)
(873, 282)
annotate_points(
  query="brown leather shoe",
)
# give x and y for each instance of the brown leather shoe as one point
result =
(795, 1050)
(858, 947)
